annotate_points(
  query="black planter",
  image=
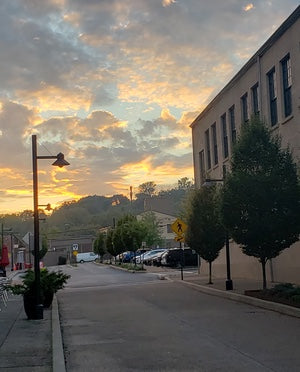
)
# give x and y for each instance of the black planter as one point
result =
(48, 298)
(32, 310)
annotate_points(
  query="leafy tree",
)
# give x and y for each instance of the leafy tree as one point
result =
(151, 227)
(205, 232)
(147, 188)
(109, 245)
(184, 183)
(261, 197)
(99, 245)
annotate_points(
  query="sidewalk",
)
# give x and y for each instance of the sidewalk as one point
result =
(36, 345)
(25, 345)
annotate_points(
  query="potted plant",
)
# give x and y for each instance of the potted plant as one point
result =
(50, 283)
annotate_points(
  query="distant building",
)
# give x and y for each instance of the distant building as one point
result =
(64, 247)
(268, 85)
(164, 223)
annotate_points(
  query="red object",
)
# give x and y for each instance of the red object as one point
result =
(4, 258)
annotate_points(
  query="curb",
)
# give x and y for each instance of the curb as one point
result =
(58, 358)
(273, 306)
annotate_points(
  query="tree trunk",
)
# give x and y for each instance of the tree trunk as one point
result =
(209, 281)
(263, 265)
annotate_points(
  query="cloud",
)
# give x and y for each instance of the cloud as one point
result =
(114, 85)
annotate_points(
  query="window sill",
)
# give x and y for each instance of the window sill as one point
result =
(287, 119)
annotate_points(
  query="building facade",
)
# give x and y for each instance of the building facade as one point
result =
(268, 85)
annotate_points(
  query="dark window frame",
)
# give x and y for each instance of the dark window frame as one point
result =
(272, 89)
(224, 136)
(207, 149)
(255, 99)
(286, 72)
(231, 115)
(215, 143)
(244, 108)
(202, 167)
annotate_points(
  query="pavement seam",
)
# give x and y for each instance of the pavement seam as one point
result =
(274, 306)
(10, 328)
(58, 358)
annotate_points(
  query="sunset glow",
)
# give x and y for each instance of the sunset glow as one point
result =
(114, 85)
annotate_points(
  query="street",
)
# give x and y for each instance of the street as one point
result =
(118, 321)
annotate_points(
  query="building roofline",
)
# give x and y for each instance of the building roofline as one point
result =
(261, 51)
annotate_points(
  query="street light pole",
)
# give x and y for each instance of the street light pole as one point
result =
(60, 162)
(229, 283)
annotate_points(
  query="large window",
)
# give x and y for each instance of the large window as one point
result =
(244, 108)
(255, 99)
(272, 96)
(232, 124)
(215, 143)
(224, 136)
(287, 85)
(202, 167)
(207, 149)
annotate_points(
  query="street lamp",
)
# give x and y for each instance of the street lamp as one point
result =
(60, 162)
(229, 284)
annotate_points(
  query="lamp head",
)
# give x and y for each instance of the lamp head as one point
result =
(60, 160)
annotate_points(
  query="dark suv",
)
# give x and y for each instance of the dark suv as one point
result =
(175, 257)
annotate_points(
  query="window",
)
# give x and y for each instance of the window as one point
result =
(207, 148)
(232, 124)
(202, 167)
(215, 143)
(169, 228)
(244, 108)
(272, 96)
(225, 136)
(287, 85)
(255, 99)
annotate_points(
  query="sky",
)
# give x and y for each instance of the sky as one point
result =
(114, 85)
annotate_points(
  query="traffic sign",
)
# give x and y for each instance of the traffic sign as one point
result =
(75, 253)
(179, 238)
(179, 227)
(75, 247)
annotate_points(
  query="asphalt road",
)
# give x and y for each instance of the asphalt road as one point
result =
(118, 321)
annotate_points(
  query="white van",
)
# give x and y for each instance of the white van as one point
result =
(86, 257)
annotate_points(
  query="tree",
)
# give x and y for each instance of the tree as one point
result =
(185, 184)
(261, 196)
(147, 188)
(151, 226)
(99, 245)
(109, 245)
(205, 232)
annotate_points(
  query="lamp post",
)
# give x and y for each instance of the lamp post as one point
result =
(229, 283)
(60, 162)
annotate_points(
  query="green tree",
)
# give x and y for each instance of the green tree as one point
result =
(261, 195)
(100, 246)
(205, 232)
(185, 184)
(147, 188)
(152, 235)
(109, 245)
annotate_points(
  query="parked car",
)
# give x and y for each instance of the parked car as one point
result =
(175, 257)
(86, 257)
(156, 258)
(147, 259)
(129, 256)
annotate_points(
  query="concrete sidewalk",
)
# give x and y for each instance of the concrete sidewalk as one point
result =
(29, 345)
(36, 345)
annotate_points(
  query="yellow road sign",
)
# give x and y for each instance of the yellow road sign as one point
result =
(75, 253)
(179, 227)
(179, 238)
